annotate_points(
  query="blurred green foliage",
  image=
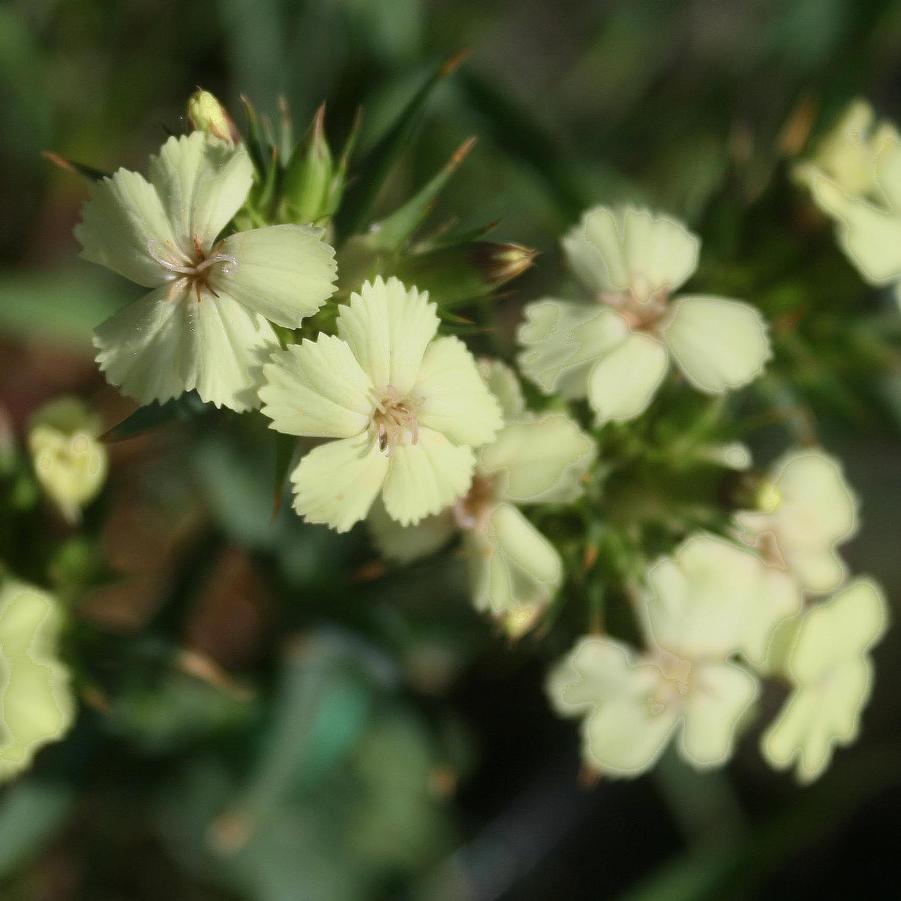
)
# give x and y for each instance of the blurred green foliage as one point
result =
(310, 761)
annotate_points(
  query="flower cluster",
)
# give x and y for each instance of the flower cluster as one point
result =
(547, 480)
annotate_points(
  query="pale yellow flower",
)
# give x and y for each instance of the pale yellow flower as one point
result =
(828, 662)
(514, 571)
(406, 408)
(859, 186)
(847, 154)
(705, 604)
(617, 349)
(205, 325)
(807, 510)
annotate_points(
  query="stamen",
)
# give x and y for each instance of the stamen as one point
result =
(393, 419)
(188, 273)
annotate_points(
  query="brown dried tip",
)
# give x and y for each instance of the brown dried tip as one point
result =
(88, 172)
(370, 571)
(319, 120)
(58, 161)
(797, 127)
(454, 62)
(462, 152)
(204, 669)
(229, 833)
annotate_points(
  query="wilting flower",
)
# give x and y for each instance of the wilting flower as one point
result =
(617, 349)
(406, 407)
(69, 461)
(36, 705)
(846, 155)
(806, 510)
(829, 666)
(708, 602)
(206, 323)
(514, 570)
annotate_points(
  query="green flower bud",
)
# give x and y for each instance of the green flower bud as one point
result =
(309, 181)
(465, 271)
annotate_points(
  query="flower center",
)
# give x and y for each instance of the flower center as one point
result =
(675, 682)
(641, 309)
(394, 420)
(191, 271)
(472, 510)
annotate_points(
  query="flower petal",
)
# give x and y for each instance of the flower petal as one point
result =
(594, 669)
(818, 510)
(453, 399)
(317, 389)
(513, 567)
(146, 348)
(624, 381)
(869, 235)
(425, 477)
(778, 599)
(388, 327)
(230, 345)
(814, 720)
(841, 629)
(336, 483)
(35, 698)
(717, 343)
(539, 460)
(283, 272)
(701, 596)
(504, 385)
(561, 342)
(629, 249)
(721, 694)
(407, 543)
(122, 225)
(202, 183)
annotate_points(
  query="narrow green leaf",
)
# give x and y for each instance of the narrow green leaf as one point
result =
(392, 231)
(88, 172)
(285, 447)
(450, 235)
(357, 210)
(144, 419)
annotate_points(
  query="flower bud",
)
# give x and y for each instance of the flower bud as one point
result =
(207, 114)
(69, 462)
(308, 184)
(465, 271)
(769, 498)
